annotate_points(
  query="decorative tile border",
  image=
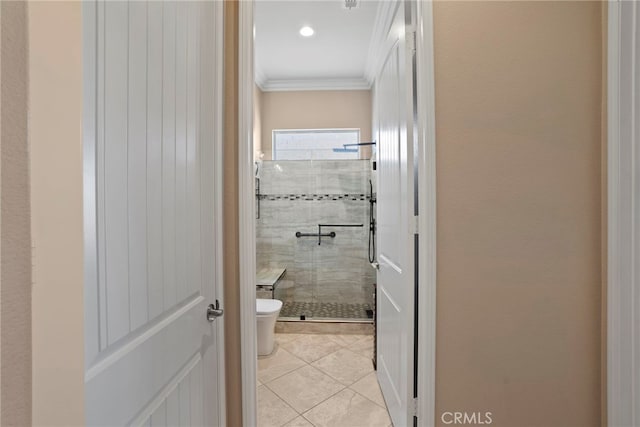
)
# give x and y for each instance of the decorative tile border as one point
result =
(314, 197)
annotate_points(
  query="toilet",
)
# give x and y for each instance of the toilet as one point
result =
(267, 313)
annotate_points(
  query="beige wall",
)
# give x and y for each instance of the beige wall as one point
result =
(315, 110)
(518, 126)
(231, 238)
(55, 69)
(604, 220)
(15, 242)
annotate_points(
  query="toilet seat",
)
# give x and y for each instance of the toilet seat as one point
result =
(267, 306)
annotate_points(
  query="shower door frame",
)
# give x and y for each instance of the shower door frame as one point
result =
(426, 221)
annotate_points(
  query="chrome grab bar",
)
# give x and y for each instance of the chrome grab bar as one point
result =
(299, 234)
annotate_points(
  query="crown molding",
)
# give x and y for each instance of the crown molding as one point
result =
(259, 76)
(283, 85)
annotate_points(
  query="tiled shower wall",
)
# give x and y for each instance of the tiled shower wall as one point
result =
(299, 195)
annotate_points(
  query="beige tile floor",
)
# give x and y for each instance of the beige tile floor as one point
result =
(320, 380)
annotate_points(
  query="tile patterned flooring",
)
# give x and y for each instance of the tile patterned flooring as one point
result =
(320, 380)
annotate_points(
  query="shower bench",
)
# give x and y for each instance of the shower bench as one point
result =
(269, 277)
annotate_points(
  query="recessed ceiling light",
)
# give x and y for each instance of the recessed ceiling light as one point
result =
(306, 31)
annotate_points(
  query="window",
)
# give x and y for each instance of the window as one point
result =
(315, 144)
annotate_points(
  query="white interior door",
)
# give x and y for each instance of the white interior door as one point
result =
(396, 276)
(152, 213)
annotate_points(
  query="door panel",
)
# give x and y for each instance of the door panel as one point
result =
(136, 163)
(114, 145)
(152, 356)
(175, 406)
(169, 115)
(125, 382)
(180, 154)
(154, 127)
(396, 277)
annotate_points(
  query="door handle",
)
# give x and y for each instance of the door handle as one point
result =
(214, 311)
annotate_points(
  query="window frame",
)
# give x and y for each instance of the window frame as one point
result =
(312, 130)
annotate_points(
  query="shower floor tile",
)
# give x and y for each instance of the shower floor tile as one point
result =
(325, 310)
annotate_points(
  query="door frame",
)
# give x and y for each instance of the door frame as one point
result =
(426, 135)
(425, 406)
(623, 277)
(246, 214)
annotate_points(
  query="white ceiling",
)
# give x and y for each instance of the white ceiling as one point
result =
(335, 56)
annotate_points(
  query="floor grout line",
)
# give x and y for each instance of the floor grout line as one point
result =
(375, 403)
(321, 357)
(302, 413)
(320, 403)
(284, 400)
(287, 404)
(286, 373)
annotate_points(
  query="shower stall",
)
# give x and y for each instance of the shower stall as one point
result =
(315, 236)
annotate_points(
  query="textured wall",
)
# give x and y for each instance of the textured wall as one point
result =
(518, 128)
(55, 137)
(15, 243)
(315, 110)
(299, 195)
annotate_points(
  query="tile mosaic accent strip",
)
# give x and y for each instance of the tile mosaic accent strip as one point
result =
(314, 197)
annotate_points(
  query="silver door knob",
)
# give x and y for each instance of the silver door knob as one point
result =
(214, 311)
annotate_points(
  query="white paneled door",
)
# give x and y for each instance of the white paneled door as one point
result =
(152, 233)
(396, 239)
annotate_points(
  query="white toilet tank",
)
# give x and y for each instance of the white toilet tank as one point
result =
(267, 311)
